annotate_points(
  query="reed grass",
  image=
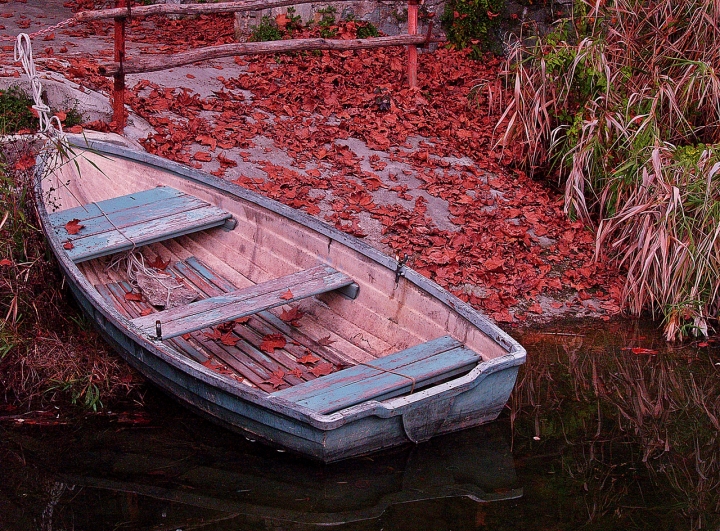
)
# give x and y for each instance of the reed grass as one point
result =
(621, 103)
(47, 352)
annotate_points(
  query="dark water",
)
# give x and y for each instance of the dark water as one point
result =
(595, 437)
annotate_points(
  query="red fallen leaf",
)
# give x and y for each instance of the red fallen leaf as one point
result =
(24, 163)
(308, 358)
(206, 140)
(322, 369)
(535, 308)
(186, 337)
(701, 344)
(146, 311)
(325, 341)
(272, 341)
(202, 156)
(294, 314)
(137, 297)
(276, 379)
(159, 264)
(68, 245)
(287, 295)
(75, 129)
(225, 161)
(73, 226)
(189, 76)
(228, 339)
(215, 334)
(61, 116)
(297, 373)
(242, 320)
(640, 351)
(5, 262)
(494, 264)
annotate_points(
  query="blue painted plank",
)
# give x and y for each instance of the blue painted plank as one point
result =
(210, 275)
(132, 216)
(396, 360)
(115, 204)
(145, 233)
(243, 302)
(386, 385)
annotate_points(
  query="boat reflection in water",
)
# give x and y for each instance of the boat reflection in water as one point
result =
(178, 477)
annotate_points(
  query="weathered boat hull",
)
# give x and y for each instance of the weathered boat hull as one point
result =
(472, 399)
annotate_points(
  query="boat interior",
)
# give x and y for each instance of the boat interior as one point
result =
(313, 335)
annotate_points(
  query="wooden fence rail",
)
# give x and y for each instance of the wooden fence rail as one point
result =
(123, 66)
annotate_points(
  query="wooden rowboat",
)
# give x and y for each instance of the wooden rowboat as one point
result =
(284, 329)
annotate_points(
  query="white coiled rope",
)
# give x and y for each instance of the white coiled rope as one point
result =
(49, 125)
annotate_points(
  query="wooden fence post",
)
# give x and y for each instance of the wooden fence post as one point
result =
(119, 76)
(412, 49)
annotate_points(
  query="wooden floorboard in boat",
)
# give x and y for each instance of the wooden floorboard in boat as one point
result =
(242, 356)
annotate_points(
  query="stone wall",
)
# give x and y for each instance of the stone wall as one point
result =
(390, 16)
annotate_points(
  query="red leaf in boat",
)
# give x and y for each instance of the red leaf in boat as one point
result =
(202, 156)
(68, 245)
(287, 295)
(137, 297)
(308, 358)
(272, 341)
(73, 226)
(242, 320)
(159, 264)
(297, 373)
(276, 379)
(292, 315)
(146, 311)
(325, 341)
(228, 339)
(215, 334)
(322, 369)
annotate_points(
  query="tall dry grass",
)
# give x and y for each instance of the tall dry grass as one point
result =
(621, 102)
(48, 352)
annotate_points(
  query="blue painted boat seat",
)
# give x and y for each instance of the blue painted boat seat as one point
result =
(132, 220)
(393, 375)
(247, 301)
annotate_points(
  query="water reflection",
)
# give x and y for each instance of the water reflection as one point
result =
(602, 437)
(183, 473)
(632, 435)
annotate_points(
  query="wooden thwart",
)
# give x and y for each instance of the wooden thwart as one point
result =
(121, 223)
(247, 301)
(392, 375)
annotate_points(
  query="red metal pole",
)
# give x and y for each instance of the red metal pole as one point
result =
(119, 77)
(412, 50)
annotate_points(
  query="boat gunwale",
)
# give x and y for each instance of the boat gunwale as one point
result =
(515, 356)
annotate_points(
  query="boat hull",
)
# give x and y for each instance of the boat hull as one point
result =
(471, 400)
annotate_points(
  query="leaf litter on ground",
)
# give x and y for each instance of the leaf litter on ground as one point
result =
(506, 246)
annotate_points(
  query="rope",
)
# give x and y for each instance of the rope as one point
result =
(134, 264)
(412, 388)
(49, 29)
(50, 126)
